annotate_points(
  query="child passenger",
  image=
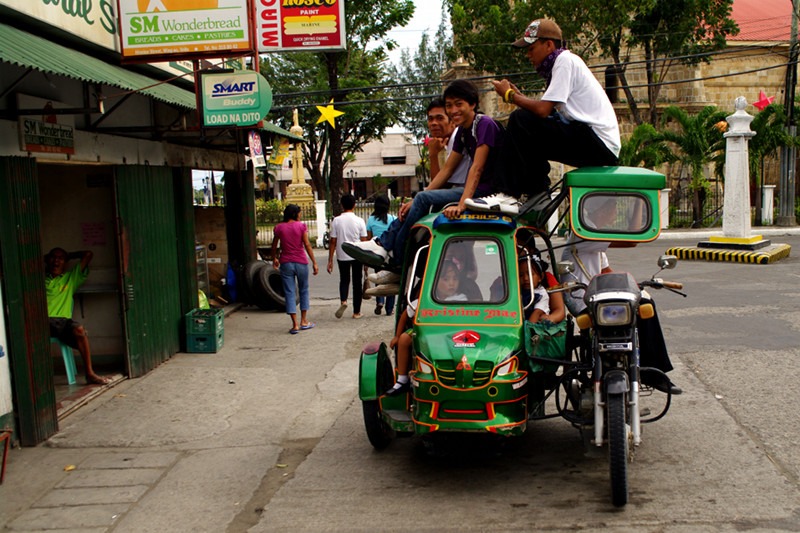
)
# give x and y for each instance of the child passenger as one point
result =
(446, 290)
(541, 300)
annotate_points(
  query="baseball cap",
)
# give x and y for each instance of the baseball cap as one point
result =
(538, 29)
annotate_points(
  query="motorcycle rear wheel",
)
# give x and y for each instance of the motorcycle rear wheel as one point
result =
(618, 448)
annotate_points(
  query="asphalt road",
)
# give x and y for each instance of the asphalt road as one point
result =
(267, 434)
(724, 459)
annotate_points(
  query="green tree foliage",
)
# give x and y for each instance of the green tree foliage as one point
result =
(698, 142)
(677, 29)
(644, 148)
(769, 125)
(420, 73)
(660, 29)
(321, 76)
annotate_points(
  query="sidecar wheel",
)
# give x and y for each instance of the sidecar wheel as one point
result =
(618, 449)
(379, 433)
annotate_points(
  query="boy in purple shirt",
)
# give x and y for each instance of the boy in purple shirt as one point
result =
(477, 136)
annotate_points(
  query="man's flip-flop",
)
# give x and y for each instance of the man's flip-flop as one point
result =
(308, 326)
(294, 331)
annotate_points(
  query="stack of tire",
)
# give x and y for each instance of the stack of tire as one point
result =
(263, 286)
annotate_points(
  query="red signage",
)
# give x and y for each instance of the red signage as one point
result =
(299, 25)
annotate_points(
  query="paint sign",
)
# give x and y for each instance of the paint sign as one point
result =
(234, 98)
(299, 25)
(183, 28)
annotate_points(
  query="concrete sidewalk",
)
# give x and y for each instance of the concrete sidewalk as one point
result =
(187, 446)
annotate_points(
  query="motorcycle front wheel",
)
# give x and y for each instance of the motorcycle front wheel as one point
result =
(618, 448)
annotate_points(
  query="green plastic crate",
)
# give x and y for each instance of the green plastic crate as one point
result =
(205, 321)
(205, 343)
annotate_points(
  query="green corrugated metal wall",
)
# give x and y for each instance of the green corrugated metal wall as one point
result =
(150, 265)
(25, 300)
(184, 222)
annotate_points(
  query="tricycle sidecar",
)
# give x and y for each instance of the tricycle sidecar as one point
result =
(470, 371)
(478, 366)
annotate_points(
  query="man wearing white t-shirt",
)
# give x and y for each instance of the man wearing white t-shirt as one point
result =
(574, 122)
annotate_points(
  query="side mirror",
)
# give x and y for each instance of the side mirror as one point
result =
(667, 262)
(568, 267)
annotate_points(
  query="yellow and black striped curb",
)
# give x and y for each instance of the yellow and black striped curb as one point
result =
(761, 257)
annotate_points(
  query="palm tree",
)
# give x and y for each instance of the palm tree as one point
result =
(644, 148)
(769, 125)
(698, 141)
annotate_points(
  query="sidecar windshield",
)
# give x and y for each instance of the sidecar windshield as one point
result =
(471, 270)
(619, 212)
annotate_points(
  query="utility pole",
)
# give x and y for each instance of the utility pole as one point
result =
(786, 216)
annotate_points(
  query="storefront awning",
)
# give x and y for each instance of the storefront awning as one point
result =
(29, 51)
(272, 128)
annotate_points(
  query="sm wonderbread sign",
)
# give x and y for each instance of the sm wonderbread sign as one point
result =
(157, 28)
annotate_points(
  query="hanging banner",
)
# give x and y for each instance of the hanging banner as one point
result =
(234, 98)
(299, 25)
(183, 28)
(256, 148)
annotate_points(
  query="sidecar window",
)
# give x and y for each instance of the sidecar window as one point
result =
(470, 270)
(621, 212)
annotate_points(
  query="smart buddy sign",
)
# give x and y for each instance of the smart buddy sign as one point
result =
(234, 98)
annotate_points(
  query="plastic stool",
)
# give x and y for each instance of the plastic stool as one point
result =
(69, 359)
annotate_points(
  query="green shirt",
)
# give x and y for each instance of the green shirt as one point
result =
(60, 290)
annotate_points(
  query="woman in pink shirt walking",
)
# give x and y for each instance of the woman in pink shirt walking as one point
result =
(289, 249)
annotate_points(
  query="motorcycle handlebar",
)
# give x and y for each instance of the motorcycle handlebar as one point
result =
(658, 283)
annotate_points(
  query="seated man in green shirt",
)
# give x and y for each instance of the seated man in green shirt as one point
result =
(61, 287)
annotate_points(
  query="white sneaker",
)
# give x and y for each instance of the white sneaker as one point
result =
(504, 203)
(369, 252)
(387, 289)
(384, 276)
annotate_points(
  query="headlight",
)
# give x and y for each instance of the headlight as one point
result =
(507, 367)
(424, 367)
(613, 314)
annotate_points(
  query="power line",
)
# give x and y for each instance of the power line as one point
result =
(404, 98)
(624, 64)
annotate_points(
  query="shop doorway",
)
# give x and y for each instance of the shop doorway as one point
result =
(78, 213)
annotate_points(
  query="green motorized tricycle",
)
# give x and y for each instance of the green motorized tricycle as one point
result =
(479, 366)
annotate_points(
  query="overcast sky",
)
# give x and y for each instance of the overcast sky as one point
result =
(427, 15)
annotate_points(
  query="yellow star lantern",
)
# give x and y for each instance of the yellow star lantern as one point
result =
(328, 113)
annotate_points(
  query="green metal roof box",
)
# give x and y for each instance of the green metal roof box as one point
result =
(615, 177)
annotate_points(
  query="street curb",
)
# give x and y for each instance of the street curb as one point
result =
(775, 253)
(704, 234)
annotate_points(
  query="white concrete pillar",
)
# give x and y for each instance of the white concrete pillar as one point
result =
(736, 216)
(767, 203)
(663, 202)
(321, 221)
(553, 220)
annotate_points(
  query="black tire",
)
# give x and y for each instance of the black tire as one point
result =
(379, 433)
(268, 287)
(326, 240)
(249, 274)
(618, 449)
